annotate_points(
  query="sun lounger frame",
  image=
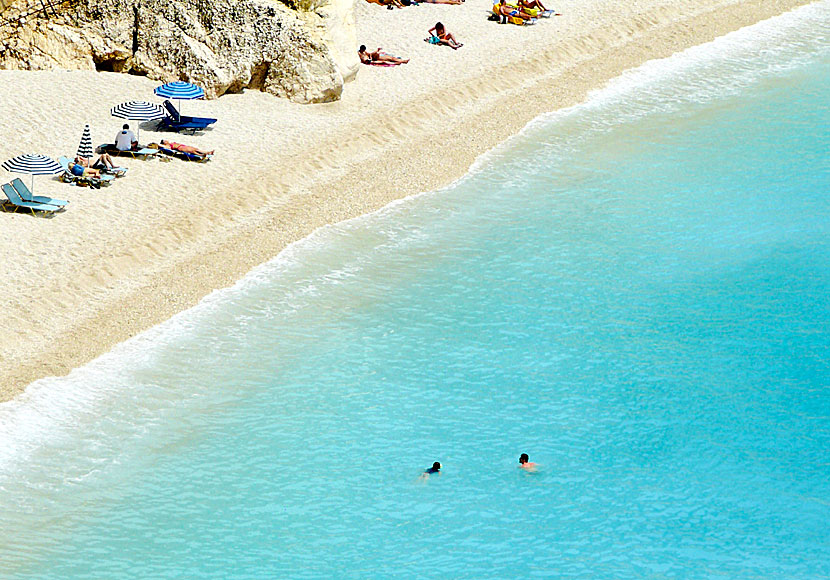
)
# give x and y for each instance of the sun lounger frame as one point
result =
(16, 202)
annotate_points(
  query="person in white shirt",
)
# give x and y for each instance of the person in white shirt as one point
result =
(126, 140)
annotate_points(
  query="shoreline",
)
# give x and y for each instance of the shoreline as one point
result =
(105, 284)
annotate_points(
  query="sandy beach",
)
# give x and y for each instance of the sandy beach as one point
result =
(129, 256)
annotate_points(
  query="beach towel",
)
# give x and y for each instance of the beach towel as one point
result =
(433, 40)
(383, 63)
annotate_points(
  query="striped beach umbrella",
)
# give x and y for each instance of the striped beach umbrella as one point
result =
(137, 111)
(181, 91)
(85, 147)
(33, 164)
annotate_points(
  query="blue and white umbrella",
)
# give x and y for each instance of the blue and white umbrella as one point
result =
(181, 91)
(137, 111)
(85, 147)
(33, 164)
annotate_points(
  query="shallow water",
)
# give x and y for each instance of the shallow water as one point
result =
(633, 291)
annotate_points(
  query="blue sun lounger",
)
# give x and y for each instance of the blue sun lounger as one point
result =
(17, 202)
(27, 195)
(176, 122)
(183, 155)
(142, 153)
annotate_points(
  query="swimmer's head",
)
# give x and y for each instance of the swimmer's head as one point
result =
(523, 458)
(436, 466)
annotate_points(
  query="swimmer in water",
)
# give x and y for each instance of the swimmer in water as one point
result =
(436, 468)
(524, 462)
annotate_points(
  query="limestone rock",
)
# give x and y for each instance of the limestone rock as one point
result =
(222, 45)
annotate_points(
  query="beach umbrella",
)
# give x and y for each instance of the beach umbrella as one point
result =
(181, 91)
(85, 147)
(137, 111)
(33, 164)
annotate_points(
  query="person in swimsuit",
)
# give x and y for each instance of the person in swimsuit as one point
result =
(442, 1)
(79, 169)
(524, 463)
(377, 56)
(184, 148)
(444, 37)
(505, 11)
(532, 4)
(436, 468)
(103, 162)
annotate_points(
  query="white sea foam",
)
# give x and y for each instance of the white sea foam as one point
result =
(70, 414)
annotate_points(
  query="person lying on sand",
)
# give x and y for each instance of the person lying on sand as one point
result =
(505, 11)
(443, 36)
(441, 1)
(367, 57)
(184, 148)
(388, 3)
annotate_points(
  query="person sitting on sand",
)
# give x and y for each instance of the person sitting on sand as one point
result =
(367, 57)
(125, 140)
(505, 11)
(185, 148)
(443, 36)
(525, 463)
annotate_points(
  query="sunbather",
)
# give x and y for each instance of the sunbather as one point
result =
(442, 1)
(80, 170)
(388, 3)
(444, 37)
(367, 57)
(184, 148)
(103, 162)
(532, 4)
(505, 11)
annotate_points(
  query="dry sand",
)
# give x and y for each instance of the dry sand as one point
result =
(124, 258)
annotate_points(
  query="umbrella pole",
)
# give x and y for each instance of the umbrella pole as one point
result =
(33, 183)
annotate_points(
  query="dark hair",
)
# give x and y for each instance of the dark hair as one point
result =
(438, 25)
(126, 126)
(436, 466)
(362, 48)
(523, 458)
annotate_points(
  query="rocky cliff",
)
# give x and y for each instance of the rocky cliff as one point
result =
(304, 52)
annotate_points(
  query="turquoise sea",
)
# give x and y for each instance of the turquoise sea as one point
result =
(633, 291)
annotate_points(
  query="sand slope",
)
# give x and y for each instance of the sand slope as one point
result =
(129, 256)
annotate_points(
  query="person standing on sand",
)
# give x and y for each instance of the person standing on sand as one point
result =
(524, 463)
